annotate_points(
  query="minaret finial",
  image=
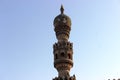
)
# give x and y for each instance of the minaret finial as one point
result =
(62, 9)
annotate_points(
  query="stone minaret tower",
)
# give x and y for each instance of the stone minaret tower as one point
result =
(63, 49)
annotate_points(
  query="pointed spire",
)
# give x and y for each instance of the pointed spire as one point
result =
(62, 9)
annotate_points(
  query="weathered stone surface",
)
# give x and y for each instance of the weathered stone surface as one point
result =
(63, 49)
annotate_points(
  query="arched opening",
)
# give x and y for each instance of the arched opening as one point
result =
(69, 56)
(62, 54)
(56, 57)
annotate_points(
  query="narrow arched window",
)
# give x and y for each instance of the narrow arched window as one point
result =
(69, 56)
(62, 54)
(56, 57)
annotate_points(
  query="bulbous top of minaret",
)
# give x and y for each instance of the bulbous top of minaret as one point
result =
(62, 19)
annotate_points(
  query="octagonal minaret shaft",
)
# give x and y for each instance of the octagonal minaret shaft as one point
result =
(63, 49)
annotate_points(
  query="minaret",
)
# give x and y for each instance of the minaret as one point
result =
(63, 49)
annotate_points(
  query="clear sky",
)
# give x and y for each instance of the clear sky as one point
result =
(27, 36)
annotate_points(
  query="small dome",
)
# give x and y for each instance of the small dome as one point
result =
(62, 19)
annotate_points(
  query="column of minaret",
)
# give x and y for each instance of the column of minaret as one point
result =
(63, 49)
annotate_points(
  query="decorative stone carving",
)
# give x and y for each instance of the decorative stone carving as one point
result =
(63, 49)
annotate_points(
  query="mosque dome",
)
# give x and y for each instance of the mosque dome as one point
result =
(62, 26)
(62, 19)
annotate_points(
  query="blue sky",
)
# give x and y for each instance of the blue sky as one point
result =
(27, 36)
